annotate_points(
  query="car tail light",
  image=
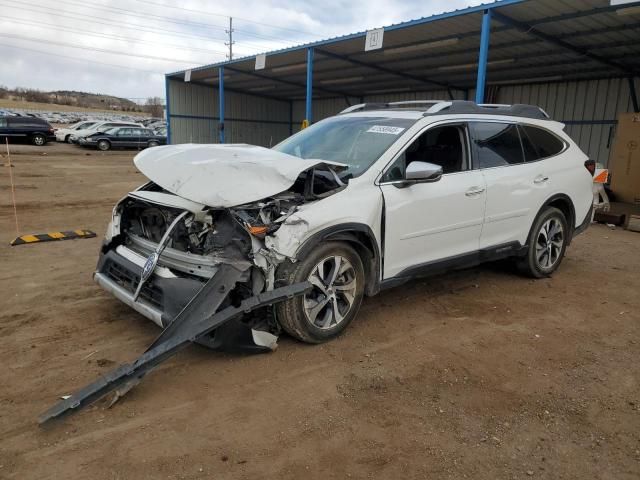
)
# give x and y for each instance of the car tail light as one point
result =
(591, 166)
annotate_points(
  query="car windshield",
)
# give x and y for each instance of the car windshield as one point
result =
(112, 130)
(356, 141)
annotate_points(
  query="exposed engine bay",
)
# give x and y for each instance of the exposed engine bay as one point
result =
(191, 244)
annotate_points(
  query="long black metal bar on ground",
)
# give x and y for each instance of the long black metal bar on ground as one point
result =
(204, 304)
(126, 376)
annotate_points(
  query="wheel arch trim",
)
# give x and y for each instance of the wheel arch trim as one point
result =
(353, 233)
(553, 199)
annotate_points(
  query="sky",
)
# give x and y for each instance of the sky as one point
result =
(124, 47)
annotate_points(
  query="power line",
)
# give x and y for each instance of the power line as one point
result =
(83, 60)
(199, 12)
(102, 50)
(107, 35)
(147, 16)
(101, 21)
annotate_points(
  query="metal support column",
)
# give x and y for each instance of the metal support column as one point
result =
(221, 103)
(483, 56)
(167, 107)
(309, 105)
(634, 95)
(290, 117)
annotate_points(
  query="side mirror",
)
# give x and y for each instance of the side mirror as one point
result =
(422, 172)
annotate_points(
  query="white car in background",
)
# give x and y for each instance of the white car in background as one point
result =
(356, 203)
(99, 127)
(64, 134)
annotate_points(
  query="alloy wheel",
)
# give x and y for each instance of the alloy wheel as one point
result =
(334, 291)
(549, 243)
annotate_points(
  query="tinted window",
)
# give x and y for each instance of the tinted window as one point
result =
(444, 146)
(3, 122)
(539, 143)
(496, 144)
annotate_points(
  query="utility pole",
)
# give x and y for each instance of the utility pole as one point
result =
(231, 42)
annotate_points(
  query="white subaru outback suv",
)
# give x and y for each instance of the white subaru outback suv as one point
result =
(356, 203)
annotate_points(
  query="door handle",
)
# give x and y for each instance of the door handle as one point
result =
(474, 191)
(540, 179)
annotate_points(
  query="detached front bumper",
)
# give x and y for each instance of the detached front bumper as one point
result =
(161, 298)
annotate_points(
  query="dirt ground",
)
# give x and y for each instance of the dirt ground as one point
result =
(480, 374)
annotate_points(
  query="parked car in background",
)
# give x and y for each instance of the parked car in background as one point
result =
(98, 128)
(123, 137)
(29, 129)
(162, 131)
(156, 125)
(64, 134)
(148, 121)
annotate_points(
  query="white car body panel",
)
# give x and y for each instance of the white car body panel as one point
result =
(222, 175)
(426, 222)
(357, 204)
(512, 200)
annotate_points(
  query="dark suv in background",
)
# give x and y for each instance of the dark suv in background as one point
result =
(34, 130)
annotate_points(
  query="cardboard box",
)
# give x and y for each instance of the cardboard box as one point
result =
(624, 163)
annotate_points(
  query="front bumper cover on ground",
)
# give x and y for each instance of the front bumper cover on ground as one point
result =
(196, 320)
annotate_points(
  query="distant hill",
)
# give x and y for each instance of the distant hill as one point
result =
(81, 100)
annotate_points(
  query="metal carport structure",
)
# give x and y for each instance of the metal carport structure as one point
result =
(577, 59)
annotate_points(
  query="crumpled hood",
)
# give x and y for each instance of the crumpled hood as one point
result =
(223, 175)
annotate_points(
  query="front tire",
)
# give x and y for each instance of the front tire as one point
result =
(38, 139)
(335, 270)
(103, 145)
(153, 143)
(547, 244)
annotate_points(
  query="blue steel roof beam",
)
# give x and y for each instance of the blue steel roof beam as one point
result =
(584, 13)
(390, 71)
(505, 45)
(285, 82)
(531, 30)
(547, 53)
(523, 68)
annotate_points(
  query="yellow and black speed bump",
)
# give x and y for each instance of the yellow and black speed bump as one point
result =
(51, 236)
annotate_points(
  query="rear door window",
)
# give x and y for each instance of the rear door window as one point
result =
(496, 144)
(539, 143)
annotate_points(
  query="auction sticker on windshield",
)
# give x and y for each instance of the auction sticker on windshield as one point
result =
(386, 129)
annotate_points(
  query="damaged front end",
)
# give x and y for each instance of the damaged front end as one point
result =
(161, 249)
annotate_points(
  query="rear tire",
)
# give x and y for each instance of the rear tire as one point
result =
(103, 145)
(38, 140)
(335, 269)
(547, 244)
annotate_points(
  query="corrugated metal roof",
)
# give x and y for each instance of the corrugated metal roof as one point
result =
(531, 40)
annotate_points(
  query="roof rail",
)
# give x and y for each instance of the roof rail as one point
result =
(452, 107)
(381, 106)
(468, 107)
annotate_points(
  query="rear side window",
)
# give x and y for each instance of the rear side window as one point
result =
(539, 143)
(496, 144)
(3, 122)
